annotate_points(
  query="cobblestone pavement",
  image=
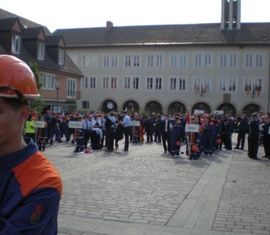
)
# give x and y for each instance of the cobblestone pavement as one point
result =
(148, 188)
(245, 202)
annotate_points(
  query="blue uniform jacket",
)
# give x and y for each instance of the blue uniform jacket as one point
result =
(30, 191)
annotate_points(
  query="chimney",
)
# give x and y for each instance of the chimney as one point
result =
(109, 25)
(230, 15)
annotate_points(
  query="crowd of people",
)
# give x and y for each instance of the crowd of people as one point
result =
(104, 131)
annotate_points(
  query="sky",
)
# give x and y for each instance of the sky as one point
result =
(55, 14)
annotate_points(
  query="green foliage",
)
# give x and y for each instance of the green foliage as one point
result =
(35, 69)
(36, 104)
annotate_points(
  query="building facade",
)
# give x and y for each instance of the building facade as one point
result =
(59, 77)
(172, 68)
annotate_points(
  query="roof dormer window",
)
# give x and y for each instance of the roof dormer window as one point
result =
(41, 51)
(61, 56)
(16, 44)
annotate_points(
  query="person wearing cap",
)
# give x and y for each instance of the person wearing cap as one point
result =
(31, 187)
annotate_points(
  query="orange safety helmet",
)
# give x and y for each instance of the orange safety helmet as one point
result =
(16, 79)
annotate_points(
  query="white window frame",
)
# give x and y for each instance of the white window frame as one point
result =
(182, 84)
(92, 82)
(158, 85)
(71, 88)
(173, 82)
(114, 61)
(135, 83)
(259, 58)
(48, 81)
(126, 82)
(106, 61)
(149, 83)
(182, 60)
(41, 50)
(105, 82)
(173, 61)
(61, 56)
(113, 83)
(150, 60)
(16, 44)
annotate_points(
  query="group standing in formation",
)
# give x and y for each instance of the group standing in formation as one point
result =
(104, 131)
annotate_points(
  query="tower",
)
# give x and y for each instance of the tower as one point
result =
(230, 15)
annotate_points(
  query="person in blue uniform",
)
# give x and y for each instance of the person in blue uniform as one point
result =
(31, 187)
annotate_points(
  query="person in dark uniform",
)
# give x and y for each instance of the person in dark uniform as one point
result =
(177, 136)
(165, 133)
(253, 136)
(157, 128)
(149, 129)
(266, 136)
(110, 125)
(242, 131)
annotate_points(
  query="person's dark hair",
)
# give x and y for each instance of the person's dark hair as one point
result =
(14, 103)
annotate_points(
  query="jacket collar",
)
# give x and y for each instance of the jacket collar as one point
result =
(11, 160)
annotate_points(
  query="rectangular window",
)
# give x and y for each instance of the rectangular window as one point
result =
(41, 50)
(136, 83)
(92, 82)
(71, 88)
(113, 83)
(159, 60)
(248, 62)
(136, 60)
(105, 83)
(173, 61)
(127, 61)
(173, 84)
(149, 83)
(182, 84)
(106, 61)
(198, 60)
(127, 82)
(232, 61)
(222, 60)
(259, 61)
(85, 82)
(207, 61)
(85, 104)
(158, 83)
(150, 60)
(61, 56)
(84, 61)
(182, 61)
(16, 44)
(48, 81)
(114, 61)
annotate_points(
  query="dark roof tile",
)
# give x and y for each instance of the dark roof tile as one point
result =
(166, 34)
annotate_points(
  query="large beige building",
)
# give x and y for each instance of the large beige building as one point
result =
(171, 68)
